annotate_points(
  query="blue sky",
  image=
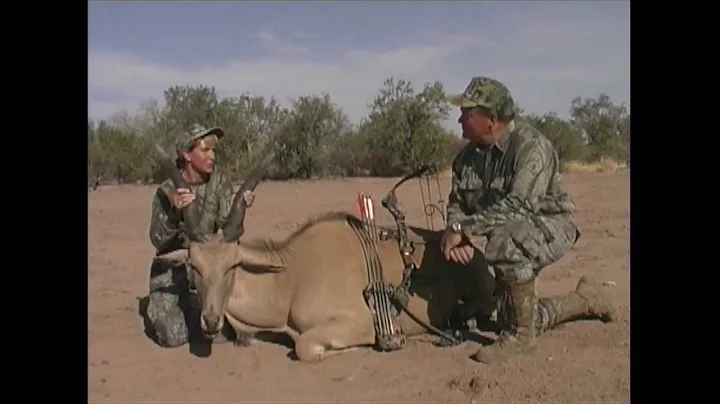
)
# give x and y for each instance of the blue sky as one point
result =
(546, 52)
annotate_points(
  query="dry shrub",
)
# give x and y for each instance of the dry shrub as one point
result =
(604, 165)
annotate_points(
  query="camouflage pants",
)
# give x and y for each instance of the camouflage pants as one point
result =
(169, 304)
(520, 250)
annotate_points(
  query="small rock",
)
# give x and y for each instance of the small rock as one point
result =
(609, 283)
(550, 358)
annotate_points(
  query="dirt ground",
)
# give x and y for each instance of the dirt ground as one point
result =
(585, 361)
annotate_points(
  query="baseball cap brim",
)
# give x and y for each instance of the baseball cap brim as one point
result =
(459, 100)
(210, 131)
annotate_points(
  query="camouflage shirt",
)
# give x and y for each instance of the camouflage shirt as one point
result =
(515, 179)
(214, 200)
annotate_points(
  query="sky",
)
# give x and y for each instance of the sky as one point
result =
(546, 52)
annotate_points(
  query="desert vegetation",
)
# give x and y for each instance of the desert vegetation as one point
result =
(315, 139)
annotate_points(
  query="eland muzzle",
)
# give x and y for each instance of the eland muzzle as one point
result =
(211, 325)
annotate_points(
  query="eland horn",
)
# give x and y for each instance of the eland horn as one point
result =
(234, 225)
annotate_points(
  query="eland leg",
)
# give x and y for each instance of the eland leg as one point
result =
(333, 337)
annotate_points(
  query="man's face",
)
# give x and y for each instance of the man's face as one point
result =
(476, 126)
(202, 157)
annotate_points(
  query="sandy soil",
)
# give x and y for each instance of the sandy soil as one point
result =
(585, 361)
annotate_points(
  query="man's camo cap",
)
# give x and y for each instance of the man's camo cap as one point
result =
(196, 131)
(485, 92)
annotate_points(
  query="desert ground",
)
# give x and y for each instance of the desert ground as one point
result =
(583, 361)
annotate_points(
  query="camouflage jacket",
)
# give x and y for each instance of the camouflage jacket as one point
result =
(214, 199)
(515, 179)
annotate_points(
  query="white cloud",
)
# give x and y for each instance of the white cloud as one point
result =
(272, 43)
(544, 62)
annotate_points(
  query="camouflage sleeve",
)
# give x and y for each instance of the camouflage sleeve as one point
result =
(532, 178)
(165, 231)
(454, 211)
(225, 198)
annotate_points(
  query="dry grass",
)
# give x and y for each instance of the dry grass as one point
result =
(605, 165)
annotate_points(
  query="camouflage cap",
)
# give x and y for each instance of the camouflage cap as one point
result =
(485, 92)
(194, 132)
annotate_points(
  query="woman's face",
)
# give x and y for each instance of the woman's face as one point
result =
(202, 157)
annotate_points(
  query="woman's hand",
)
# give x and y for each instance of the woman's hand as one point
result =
(181, 198)
(249, 198)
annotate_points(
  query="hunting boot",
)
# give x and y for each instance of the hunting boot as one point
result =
(587, 301)
(518, 335)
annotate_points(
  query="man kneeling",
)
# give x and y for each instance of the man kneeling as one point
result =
(506, 187)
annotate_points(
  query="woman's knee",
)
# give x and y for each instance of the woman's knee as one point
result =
(167, 319)
(171, 332)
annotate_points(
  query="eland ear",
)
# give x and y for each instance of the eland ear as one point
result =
(173, 258)
(259, 261)
(257, 264)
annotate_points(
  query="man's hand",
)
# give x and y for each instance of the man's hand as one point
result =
(449, 241)
(455, 250)
(249, 198)
(462, 254)
(181, 198)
